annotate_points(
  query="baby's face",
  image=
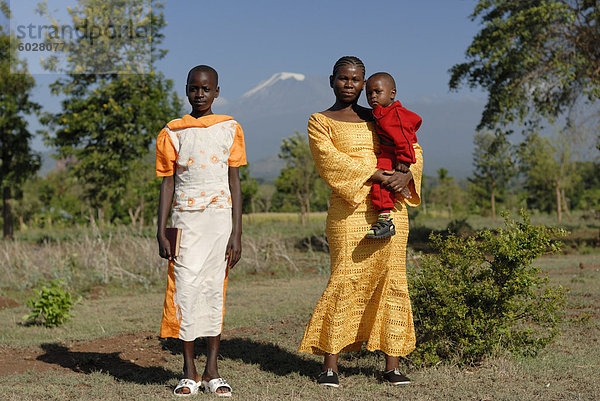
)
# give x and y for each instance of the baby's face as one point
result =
(380, 91)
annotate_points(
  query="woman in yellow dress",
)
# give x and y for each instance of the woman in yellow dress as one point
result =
(366, 299)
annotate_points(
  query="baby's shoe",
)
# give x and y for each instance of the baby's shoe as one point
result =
(383, 227)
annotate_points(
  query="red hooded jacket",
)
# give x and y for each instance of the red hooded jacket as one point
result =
(398, 125)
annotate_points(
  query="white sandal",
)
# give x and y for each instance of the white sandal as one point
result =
(213, 385)
(186, 383)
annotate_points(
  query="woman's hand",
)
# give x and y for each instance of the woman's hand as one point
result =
(397, 181)
(380, 176)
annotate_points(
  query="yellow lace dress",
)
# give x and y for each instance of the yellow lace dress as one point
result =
(366, 299)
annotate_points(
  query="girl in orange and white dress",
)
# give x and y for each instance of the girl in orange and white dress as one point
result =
(198, 157)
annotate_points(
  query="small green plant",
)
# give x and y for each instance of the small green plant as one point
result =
(51, 306)
(480, 295)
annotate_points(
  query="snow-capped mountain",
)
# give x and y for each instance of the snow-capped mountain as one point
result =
(280, 105)
(280, 76)
(275, 109)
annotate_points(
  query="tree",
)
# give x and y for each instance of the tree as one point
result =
(109, 120)
(264, 196)
(446, 192)
(55, 199)
(299, 177)
(585, 192)
(534, 58)
(17, 160)
(494, 166)
(547, 166)
(249, 190)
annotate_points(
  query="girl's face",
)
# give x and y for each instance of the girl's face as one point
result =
(347, 83)
(201, 91)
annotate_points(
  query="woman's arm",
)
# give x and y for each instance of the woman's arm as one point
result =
(398, 181)
(233, 251)
(167, 188)
(346, 175)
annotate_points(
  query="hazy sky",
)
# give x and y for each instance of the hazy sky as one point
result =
(248, 41)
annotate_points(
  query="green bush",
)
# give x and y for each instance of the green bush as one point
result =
(480, 295)
(51, 307)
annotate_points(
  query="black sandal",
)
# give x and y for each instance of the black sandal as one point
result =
(328, 378)
(396, 378)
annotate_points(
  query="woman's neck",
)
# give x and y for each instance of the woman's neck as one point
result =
(344, 107)
(348, 112)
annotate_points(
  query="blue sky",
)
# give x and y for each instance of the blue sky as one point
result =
(247, 42)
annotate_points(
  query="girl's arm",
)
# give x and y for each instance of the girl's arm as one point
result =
(234, 246)
(167, 188)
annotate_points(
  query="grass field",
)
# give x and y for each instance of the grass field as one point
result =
(110, 349)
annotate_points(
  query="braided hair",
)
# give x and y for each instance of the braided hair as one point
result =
(348, 60)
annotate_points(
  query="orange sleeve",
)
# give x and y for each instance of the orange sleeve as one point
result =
(166, 155)
(237, 151)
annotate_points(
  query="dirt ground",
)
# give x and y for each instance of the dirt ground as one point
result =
(7, 302)
(120, 352)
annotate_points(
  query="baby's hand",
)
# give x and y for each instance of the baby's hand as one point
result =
(403, 168)
(406, 193)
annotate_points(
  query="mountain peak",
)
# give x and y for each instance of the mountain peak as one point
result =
(280, 76)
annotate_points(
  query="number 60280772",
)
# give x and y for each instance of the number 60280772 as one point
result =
(41, 47)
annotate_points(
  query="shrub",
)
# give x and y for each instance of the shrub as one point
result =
(51, 307)
(481, 294)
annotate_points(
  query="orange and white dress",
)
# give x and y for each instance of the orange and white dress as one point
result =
(366, 299)
(198, 152)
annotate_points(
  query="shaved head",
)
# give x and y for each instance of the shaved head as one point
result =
(385, 76)
(204, 68)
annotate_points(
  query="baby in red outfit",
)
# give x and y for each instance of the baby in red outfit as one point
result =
(396, 127)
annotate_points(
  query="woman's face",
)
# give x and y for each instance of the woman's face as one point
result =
(347, 83)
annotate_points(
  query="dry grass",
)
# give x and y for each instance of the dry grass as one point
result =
(120, 257)
(264, 323)
(88, 259)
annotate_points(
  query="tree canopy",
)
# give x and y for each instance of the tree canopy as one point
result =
(299, 177)
(109, 118)
(493, 166)
(17, 160)
(534, 58)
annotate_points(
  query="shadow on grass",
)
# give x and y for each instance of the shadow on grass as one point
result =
(269, 357)
(111, 363)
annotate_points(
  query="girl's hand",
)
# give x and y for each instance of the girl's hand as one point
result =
(233, 252)
(398, 181)
(164, 247)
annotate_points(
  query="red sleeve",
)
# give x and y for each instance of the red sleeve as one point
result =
(401, 126)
